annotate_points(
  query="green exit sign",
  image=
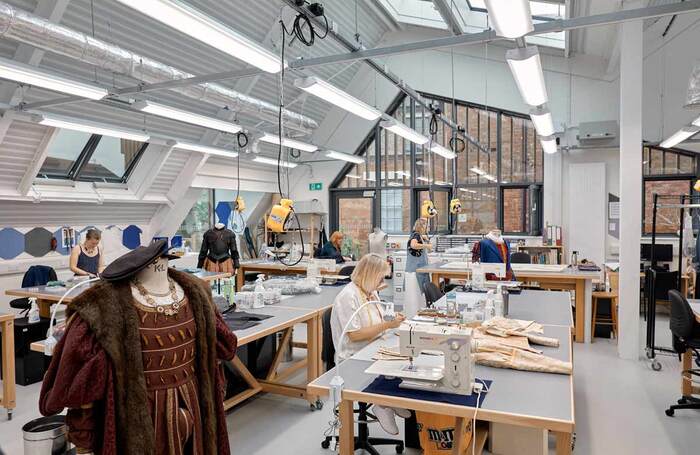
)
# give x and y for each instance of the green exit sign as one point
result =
(315, 186)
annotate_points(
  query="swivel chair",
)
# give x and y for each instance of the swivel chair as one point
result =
(686, 336)
(36, 275)
(432, 294)
(363, 441)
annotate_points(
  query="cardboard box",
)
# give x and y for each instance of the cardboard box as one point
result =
(436, 433)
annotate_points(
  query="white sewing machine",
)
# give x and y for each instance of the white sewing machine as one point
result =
(453, 372)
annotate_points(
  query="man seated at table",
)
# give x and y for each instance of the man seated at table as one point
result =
(331, 250)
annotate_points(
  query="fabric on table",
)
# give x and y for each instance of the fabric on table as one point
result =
(384, 386)
(517, 359)
(240, 320)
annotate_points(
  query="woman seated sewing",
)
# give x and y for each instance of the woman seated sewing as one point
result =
(332, 248)
(366, 281)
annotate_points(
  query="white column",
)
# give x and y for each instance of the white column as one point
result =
(631, 68)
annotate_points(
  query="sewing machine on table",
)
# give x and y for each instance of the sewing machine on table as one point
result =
(451, 372)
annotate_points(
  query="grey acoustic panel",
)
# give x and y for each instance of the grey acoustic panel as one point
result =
(37, 242)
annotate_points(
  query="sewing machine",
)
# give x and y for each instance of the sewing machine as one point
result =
(452, 372)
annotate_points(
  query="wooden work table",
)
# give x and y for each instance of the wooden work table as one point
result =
(8, 395)
(278, 268)
(567, 280)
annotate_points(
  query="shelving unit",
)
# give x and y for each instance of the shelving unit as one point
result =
(310, 226)
(543, 254)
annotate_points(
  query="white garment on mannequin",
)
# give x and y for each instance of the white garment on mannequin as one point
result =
(377, 242)
(219, 225)
(495, 235)
(155, 279)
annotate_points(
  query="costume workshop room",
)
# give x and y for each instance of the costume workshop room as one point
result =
(317, 227)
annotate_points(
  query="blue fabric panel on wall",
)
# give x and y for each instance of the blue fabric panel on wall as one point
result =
(176, 241)
(11, 243)
(131, 237)
(223, 212)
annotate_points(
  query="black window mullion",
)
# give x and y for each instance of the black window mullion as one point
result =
(84, 157)
(132, 165)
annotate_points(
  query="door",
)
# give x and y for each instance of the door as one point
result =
(354, 217)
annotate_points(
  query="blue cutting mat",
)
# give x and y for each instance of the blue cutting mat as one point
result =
(384, 386)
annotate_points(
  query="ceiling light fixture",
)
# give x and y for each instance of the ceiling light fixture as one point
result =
(161, 110)
(90, 127)
(680, 136)
(443, 152)
(27, 74)
(199, 26)
(542, 119)
(549, 144)
(511, 18)
(206, 149)
(345, 157)
(289, 143)
(270, 161)
(352, 176)
(404, 131)
(334, 95)
(526, 66)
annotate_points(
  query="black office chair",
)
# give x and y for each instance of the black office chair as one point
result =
(362, 441)
(36, 275)
(432, 294)
(519, 257)
(686, 335)
(346, 270)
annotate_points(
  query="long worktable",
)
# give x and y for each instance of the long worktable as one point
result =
(537, 400)
(278, 268)
(568, 280)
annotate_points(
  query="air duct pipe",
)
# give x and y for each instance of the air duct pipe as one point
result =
(27, 28)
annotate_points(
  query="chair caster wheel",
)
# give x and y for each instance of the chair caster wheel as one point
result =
(682, 401)
(669, 412)
(399, 448)
(325, 444)
(655, 365)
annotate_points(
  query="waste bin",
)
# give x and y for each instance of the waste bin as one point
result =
(45, 436)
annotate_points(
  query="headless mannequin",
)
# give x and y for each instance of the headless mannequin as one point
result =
(219, 226)
(377, 242)
(495, 235)
(155, 279)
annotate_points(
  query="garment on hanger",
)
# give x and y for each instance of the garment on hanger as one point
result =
(219, 252)
(168, 398)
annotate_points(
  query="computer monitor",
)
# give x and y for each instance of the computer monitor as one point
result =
(662, 252)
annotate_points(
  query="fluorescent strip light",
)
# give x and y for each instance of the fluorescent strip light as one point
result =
(352, 176)
(334, 95)
(403, 173)
(542, 119)
(394, 184)
(467, 191)
(192, 22)
(206, 149)
(680, 136)
(440, 182)
(263, 160)
(290, 143)
(345, 157)
(511, 18)
(185, 116)
(443, 151)
(490, 178)
(696, 122)
(478, 171)
(549, 144)
(526, 67)
(27, 74)
(91, 127)
(404, 131)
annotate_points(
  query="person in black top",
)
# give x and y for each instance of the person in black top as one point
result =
(219, 252)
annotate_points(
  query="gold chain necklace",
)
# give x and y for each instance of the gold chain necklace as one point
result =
(168, 310)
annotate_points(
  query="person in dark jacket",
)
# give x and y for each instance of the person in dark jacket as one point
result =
(219, 252)
(331, 250)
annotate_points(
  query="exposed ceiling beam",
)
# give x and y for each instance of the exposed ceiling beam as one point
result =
(37, 161)
(448, 14)
(148, 168)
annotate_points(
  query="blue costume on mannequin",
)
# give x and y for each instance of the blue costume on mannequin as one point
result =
(490, 253)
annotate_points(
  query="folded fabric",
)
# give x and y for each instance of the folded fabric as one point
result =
(243, 316)
(522, 360)
(384, 386)
(56, 283)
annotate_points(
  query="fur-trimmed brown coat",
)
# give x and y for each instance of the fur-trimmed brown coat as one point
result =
(102, 341)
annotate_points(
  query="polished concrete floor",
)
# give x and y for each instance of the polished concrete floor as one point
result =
(619, 410)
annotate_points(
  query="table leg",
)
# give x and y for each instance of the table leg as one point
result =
(581, 322)
(347, 428)
(435, 278)
(44, 307)
(8, 366)
(240, 278)
(458, 443)
(686, 381)
(563, 446)
(320, 366)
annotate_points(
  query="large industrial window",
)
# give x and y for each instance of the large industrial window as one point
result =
(491, 177)
(665, 172)
(198, 221)
(81, 156)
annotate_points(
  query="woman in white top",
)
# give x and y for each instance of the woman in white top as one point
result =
(366, 281)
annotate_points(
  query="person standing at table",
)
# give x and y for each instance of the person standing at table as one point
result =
(418, 248)
(86, 258)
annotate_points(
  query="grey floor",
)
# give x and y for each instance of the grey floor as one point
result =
(619, 410)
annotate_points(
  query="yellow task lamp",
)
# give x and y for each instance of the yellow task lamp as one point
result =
(279, 215)
(239, 204)
(428, 210)
(455, 206)
(696, 187)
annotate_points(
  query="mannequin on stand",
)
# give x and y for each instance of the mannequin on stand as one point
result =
(219, 252)
(137, 367)
(377, 242)
(494, 249)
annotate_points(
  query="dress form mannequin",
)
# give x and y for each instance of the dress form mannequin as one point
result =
(154, 279)
(377, 242)
(495, 235)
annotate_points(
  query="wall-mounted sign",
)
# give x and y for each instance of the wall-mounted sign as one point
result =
(315, 186)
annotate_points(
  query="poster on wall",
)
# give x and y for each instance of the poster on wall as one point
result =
(68, 237)
(613, 216)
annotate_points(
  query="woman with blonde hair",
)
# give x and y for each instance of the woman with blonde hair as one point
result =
(366, 281)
